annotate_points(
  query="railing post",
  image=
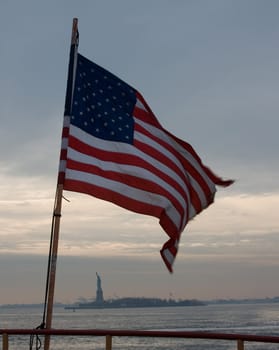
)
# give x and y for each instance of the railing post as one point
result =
(5, 341)
(240, 344)
(108, 342)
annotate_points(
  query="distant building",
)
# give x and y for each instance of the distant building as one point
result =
(99, 291)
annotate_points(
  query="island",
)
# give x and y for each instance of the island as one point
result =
(130, 302)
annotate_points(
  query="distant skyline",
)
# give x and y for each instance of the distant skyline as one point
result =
(209, 71)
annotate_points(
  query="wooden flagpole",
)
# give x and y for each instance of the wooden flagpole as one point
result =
(52, 271)
(59, 192)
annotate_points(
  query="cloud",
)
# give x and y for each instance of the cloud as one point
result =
(234, 224)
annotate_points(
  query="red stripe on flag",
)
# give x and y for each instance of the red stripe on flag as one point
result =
(122, 201)
(132, 181)
(128, 159)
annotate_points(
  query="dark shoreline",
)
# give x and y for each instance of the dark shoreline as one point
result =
(168, 302)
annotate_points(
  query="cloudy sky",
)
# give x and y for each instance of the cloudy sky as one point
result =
(209, 70)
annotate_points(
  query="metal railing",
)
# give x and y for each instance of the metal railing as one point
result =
(108, 334)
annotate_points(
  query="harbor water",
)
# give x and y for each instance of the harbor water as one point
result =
(257, 319)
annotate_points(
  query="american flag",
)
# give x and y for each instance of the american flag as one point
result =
(114, 148)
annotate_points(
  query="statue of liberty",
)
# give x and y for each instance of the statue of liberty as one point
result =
(99, 291)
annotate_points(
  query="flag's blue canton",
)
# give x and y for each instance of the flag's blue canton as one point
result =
(102, 103)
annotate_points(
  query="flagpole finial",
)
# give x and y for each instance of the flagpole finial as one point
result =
(75, 32)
